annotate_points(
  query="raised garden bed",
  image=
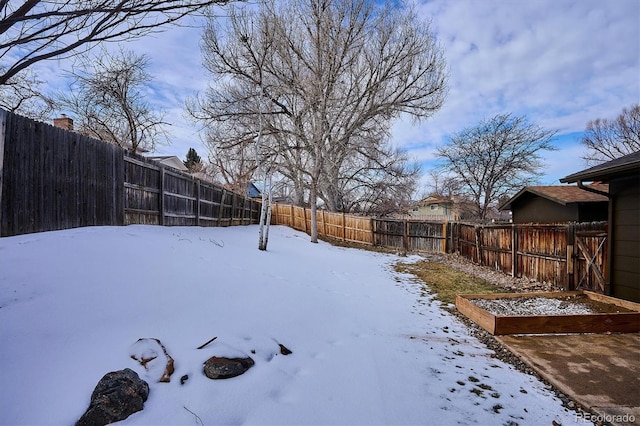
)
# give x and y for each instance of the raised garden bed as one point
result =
(556, 312)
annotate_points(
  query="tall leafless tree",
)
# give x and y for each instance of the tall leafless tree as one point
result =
(35, 30)
(497, 157)
(108, 101)
(607, 139)
(334, 73)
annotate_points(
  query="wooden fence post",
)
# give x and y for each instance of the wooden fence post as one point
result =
(571, 241)
(3, 132)
(161, 198)
(443, 246)
(304, 215)
(222, 196)
(197, 202)
(291, 213)
(405, 236)
(478, 245)
(344, 227)
(233, 207)
(514, 250)
(372, 226)
(324, 224)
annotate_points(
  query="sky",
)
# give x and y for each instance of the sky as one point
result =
(369, 345)
(559, 63)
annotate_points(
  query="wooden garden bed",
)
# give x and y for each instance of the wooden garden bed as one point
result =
(605, 314)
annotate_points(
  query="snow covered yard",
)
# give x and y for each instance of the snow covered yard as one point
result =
(368, 346)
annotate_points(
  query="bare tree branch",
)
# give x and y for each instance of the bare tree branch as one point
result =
(38, 30)
(107, 101)
(609, 139)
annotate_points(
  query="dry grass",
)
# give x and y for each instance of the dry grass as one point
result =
(445, 282)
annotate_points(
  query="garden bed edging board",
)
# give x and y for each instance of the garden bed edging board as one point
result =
(615, 322)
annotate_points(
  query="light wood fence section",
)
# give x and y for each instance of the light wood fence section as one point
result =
(569, 255)
(337, 226)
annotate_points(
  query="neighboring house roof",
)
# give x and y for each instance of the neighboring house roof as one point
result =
(623, 166)
(433, 200)
(254, 189)
(170, 161)
(560, 194)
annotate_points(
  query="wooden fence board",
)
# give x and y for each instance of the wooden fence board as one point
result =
(3, 129)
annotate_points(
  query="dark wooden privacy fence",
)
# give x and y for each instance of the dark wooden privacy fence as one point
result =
(570, 255)
(53, 179)
(157, 195)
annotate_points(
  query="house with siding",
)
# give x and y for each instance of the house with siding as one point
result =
(434, 207)
(558, 204)
(623, 177)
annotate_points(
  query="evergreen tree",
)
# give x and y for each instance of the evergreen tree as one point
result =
(193, 161)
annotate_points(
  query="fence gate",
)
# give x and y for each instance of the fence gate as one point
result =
(590, 254)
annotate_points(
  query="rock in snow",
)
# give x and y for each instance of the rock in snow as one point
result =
(116, 396)
(225, 368)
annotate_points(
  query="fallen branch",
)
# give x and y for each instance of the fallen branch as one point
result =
(198, 418)
(205, 344)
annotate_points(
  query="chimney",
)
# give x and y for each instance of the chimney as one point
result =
(63, 122)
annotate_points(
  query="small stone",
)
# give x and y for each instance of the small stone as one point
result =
(184, 379)
(225, 368)
(284, 350)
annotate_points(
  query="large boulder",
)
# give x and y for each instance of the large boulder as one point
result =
(225, 368)
(116, 396)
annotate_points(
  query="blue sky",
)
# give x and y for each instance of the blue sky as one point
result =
(560, 63)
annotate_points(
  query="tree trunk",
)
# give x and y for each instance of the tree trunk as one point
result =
(314, 211)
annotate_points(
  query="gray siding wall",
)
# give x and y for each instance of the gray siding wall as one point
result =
(625, 234)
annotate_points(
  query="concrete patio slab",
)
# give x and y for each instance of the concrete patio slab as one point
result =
(601, 372)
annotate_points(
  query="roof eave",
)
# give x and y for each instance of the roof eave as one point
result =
(602, 174)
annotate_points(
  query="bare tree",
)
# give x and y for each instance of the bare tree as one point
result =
(609, 139)
(333, 73)
(441, 184)
(497, 157)
(107, 98)
(23, 94)
(35, 30)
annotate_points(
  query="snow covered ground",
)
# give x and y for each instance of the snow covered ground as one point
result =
(368, 346)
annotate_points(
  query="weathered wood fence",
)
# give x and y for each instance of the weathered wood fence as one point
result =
(158, 195)
(570, 255)
(53, 179)
(339, 226)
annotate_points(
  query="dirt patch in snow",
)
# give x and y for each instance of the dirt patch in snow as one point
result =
(495, 277)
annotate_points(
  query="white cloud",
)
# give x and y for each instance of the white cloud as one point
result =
(559, 62)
